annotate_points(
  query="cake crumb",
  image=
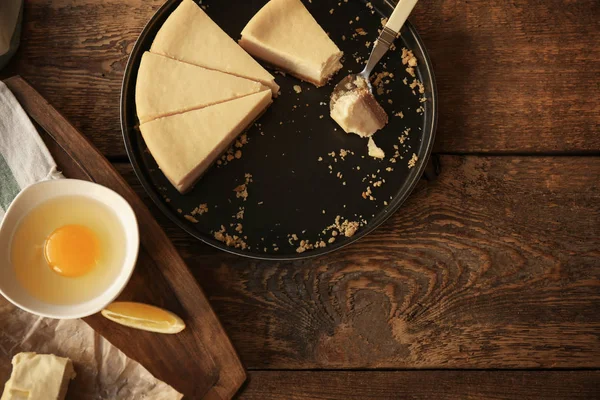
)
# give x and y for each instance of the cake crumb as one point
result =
(190, 218)
(230, 240)
(413, 161)
(201, 209)
(304, 245)
(374, 150)
(231, 152)
(242, 190)
(417, 84)
(297, 89)
(242, 140)
(346, 228)
(240, 213)
(399, 114)
(350, 228)
(408, 58)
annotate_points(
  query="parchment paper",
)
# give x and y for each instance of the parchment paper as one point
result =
(103, 371)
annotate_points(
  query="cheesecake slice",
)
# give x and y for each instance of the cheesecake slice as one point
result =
(285, 34)
(190, 35)
(357, 111)
(166, 86)
(38, 377)
(185, 145)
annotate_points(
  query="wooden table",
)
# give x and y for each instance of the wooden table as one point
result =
(485, 284)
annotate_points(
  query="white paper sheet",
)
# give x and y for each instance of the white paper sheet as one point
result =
(103, 371)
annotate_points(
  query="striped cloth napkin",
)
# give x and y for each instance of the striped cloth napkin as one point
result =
(24, 158)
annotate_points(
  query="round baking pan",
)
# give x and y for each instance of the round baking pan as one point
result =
(300, 184)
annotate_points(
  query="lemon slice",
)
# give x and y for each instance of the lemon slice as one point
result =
(143, 316)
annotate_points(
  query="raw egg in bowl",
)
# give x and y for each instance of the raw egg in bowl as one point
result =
(67, 248)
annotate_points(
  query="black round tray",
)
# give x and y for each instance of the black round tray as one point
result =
(292, 192)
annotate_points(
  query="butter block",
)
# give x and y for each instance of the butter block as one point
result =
(38, 377)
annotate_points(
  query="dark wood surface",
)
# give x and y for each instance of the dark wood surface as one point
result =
(496, 264)
(486, 284)
(200, 362)
(423, 385)
(515, 76)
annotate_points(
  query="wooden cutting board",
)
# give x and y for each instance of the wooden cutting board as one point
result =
(200, 362)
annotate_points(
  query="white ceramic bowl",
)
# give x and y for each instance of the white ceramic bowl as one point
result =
(38, 193)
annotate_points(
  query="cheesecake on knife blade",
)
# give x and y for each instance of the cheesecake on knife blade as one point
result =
(356, 110)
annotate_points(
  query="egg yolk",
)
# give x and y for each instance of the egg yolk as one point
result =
(72, 250)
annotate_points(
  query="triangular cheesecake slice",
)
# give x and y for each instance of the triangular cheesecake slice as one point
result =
(190, 35)
(185, 145)
(166, 86)
(285, 34)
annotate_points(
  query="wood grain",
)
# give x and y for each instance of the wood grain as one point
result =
(439, 385)
(514, 76)
(518, 76)
(494, 265)
(200, 361)
(74, 53)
